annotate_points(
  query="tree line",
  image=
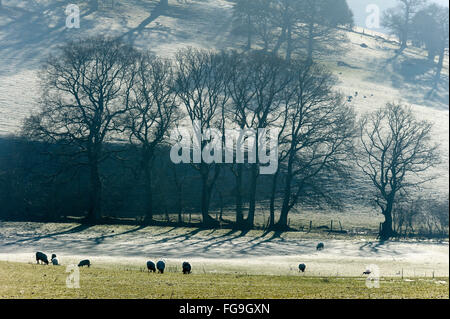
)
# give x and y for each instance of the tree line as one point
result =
(314, 27)
(423, 24)
(99, 92)
(306, 26)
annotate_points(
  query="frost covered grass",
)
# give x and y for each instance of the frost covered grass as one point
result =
(20, 280)
(222, 251)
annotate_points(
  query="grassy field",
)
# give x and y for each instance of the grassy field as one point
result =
(21, 280)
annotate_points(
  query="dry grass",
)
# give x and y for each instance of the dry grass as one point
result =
(19, 280)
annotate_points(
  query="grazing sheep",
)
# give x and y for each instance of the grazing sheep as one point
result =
(84, 262)
(151, 266)
(54, 260)
(160, 265)
(186, 268)
(320, 246)
(40, 256)
(302, 267)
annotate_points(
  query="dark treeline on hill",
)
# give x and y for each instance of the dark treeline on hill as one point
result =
(99, 144)
(37, 186)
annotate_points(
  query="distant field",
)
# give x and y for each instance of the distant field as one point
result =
(19, 280)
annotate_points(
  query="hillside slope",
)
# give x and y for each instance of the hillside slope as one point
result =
(29, 30)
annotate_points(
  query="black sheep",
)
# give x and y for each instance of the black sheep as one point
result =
(320, 246)
(84, 262)
(151, 266)
(302, 267)
(40, 256)
(186, 268)
(160, 265)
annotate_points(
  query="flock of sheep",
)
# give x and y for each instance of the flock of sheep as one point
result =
(41, 257)
(151, 266)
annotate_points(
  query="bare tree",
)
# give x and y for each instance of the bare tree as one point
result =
(399, 19)
(396, 151)
(85, 89)
(200, 86)
(311, 24)
(152, 112)
(253, 18)
(241, 93)
(430, 27)
(319, 20)
(286, 17)
(317, 135)
(256, 91)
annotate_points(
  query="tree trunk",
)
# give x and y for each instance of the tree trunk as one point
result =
(280, 41)
(206, 197)
(403, 43)
(148, 194)
(146, 166)
(272, 200)
(282, 222)
(404, 40)
(437, 76)
(239, 213)
(252, 196)
(179, 195)
(431, 55)
(94, 212)
(386, 228)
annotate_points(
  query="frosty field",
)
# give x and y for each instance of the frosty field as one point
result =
(221, 251)
(262, 266)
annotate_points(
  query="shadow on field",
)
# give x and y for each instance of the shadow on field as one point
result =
(74, 230)
(371, 246)
(133, 33)
(100, 239)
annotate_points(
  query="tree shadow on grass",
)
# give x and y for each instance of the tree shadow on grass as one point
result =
(32, 33)
(133, 33)
(101, 239)
(74, 230)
